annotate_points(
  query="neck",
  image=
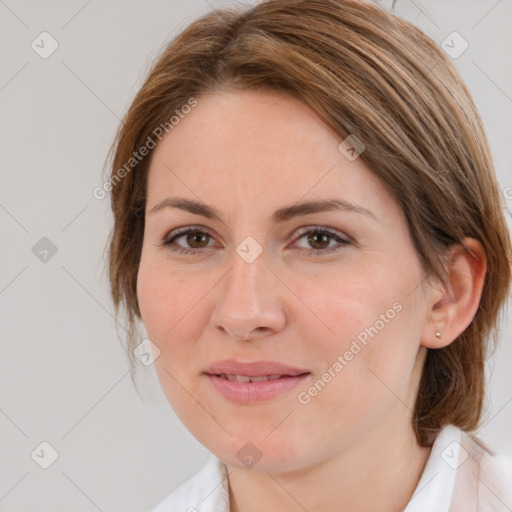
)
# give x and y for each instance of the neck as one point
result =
(379, 472)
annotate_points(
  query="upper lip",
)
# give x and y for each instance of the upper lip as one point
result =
(253, 369)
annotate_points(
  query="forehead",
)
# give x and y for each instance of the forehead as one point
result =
(253, 145)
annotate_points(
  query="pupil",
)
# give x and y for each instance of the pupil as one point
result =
(323, 236)
(196, 236)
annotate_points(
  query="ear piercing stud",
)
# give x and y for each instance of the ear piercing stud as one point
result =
(438, 335)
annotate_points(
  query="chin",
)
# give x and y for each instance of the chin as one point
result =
(261, 453)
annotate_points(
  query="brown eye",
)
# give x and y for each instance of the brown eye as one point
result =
(195, 241)
(320, 239)
(197, 237)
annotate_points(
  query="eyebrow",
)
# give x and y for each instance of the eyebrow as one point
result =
(281, 215)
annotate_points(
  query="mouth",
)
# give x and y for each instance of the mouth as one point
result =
(233, 369)
(254, 378)
(251, 383)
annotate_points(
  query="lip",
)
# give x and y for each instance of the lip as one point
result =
(253, 369)
(251, 392)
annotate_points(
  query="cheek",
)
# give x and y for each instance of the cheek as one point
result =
(360, 329)
(166, 306)
(365, 365)
(164, 300)
(345, 306)
(175, 308)
(152, 298)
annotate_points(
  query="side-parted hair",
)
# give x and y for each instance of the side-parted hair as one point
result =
(368, 73)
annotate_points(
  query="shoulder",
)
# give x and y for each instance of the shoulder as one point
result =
(463, 475)
(205, 491)
(495, 481)
(490, 474)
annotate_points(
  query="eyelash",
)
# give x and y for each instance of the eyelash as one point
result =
(169, 241)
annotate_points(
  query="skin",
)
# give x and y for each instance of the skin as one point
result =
(247, 154)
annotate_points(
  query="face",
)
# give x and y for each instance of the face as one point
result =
(334, 294)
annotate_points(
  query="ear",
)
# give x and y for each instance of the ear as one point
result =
(452, 306)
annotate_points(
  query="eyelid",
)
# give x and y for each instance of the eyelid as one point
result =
(298, 233)
(340, 238)
(174, 233)
(324, 229)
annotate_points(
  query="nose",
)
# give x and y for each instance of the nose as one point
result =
(249, 301)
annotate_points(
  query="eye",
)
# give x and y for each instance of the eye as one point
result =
(320, 238)
(197, 240)
(196, 237)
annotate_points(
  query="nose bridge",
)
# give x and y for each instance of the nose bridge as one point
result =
(245, 278)
(246, 302)
(248, 262)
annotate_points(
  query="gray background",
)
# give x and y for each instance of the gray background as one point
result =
(63, 374)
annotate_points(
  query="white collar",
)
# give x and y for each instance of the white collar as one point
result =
(435, 488)
(208, 489)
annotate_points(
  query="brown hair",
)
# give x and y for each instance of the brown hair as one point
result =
(366, 73)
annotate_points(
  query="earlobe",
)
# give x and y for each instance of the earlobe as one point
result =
(454, 305)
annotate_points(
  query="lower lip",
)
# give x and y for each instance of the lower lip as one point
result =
(249, 392)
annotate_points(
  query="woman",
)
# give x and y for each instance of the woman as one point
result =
(308, 224)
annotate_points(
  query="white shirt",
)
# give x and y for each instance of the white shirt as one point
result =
(460, 476)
